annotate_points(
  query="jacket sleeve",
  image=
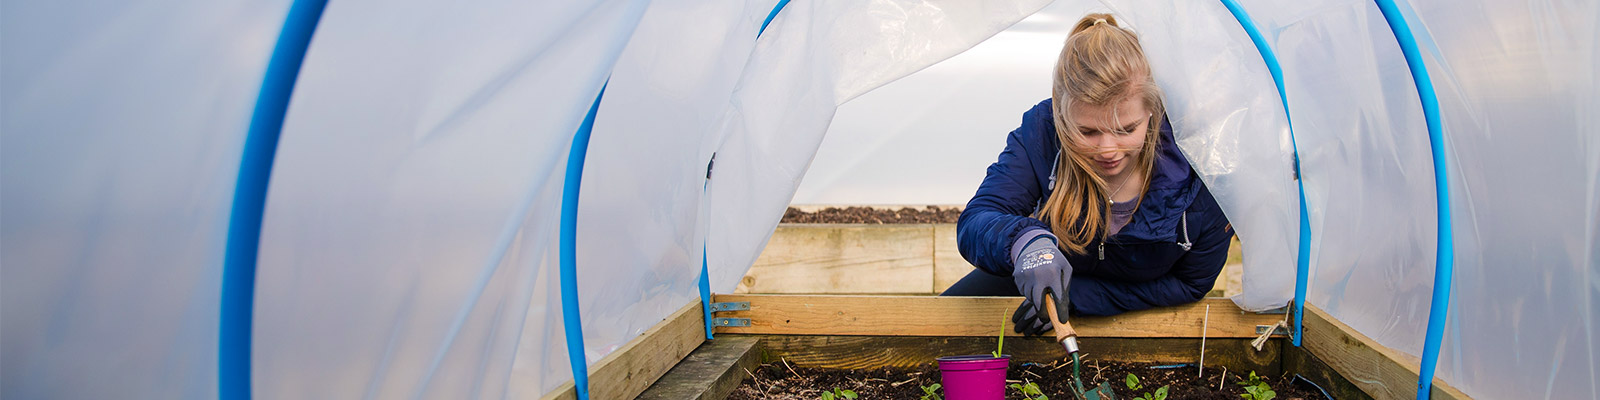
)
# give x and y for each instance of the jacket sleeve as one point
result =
(998, 213)
(1194, 274)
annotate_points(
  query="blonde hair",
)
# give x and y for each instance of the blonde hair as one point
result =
(1101, 64)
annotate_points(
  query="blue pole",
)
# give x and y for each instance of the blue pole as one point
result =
(1303, 260)
(1444, 267)
(771, 15)
(570, 317)
(250, 198)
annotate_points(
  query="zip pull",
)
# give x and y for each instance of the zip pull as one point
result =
(1102, 251)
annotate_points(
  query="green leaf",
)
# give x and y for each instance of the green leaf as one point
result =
(827, 396)
(1132, 381)
(1016, 386)
(1266, 394)
(848, 394)
(1001, 346)
(1161, 394)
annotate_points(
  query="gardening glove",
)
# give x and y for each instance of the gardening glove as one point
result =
(1027, 321)
(1041, 273)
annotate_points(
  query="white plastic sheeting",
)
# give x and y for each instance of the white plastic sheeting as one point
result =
(409, 246)
(1517, 84)
(642, 216)
(815, 56)
(1367, 165)
(410, 241)
(1228, 120)
(928, 138)
(123, 123)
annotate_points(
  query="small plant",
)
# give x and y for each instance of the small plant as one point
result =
(1030, 390)
(837, 394)
(1256, 389)
(1253, 380)
(1159, 394)
(931, 392)
(1134, 385)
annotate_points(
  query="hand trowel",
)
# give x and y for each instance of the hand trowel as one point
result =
(1069, 339)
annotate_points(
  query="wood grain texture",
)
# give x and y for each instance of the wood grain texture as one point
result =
(970, 316)
(844, 258)
(1296, 360)
(1382, 372)
(628, 371)
(856, 352)
(948, 265)
(711, 372)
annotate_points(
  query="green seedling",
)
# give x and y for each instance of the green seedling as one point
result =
(931, 392)
(1159, 394)
(1002, 344)
(1134, 385)
(1256, 389)
(1252, 380)
(1259, 392)
(1030, 390)
(837, 394)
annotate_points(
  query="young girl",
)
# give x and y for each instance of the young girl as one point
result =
(1092, 191)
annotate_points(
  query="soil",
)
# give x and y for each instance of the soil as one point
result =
(780, 381)
(870, 215)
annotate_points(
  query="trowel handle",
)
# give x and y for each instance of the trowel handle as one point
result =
(1064, 331)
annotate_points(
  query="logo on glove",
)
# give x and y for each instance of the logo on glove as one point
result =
(1036, 259)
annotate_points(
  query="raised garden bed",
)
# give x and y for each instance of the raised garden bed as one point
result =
(833, 341)
(782, 381)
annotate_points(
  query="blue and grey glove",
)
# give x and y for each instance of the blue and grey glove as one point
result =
(1041, 273)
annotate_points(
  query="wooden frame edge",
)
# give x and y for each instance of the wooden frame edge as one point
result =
(1366, 363)
(866, 315)
(628, 371)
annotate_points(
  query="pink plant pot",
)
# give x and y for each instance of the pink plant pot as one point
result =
(974, 377)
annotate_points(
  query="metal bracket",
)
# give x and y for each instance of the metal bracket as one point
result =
(1262, 330)
(732, 306)
(730, 322)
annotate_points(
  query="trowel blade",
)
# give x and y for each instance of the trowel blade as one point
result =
(1101, 392)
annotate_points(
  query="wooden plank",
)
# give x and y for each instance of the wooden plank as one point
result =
(1382, 372)
(948, 265)
(628, 371)
(857, 352)
(844, 258)
(711, 372)
(1296, 360)
(970, 316)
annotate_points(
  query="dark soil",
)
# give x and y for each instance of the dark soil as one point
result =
(869, 215)
(779, 381)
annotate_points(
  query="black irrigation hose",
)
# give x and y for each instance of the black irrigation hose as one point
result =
(1314, 384)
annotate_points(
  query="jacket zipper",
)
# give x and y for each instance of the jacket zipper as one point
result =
(1102, 251)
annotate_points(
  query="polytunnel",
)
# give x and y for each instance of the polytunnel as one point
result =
(418, 199)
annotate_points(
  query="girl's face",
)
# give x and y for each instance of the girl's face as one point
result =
(1114, 135)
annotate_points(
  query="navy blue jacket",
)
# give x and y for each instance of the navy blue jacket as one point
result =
(1170, 253)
